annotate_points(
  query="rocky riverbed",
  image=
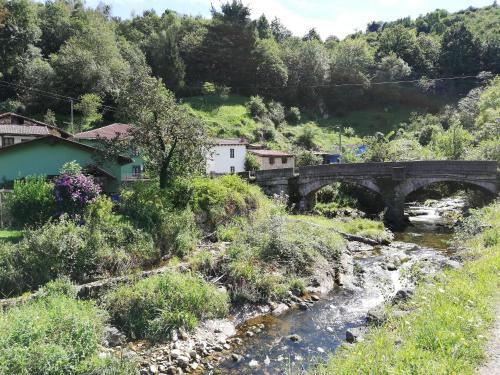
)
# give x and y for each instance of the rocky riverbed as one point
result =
(277, 337)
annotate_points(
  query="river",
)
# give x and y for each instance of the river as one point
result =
(379, 272)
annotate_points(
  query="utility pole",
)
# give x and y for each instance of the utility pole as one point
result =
(72, 128)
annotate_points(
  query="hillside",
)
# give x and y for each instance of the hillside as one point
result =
(230, 118)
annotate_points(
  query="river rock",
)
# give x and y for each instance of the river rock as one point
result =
(236, 357)
(314, 297)
(295, 338)
(153, 369)
(174, 353)
(253, 363)
(280, 309)
(183, 361)
(303, 306)
(391, 266)
(113, 337)
(376, 316)
(402, 295)
(353, 335)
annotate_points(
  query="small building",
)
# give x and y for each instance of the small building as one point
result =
(45, 156)
(130, 172)
(227, 156)
(15, 129)
(273, 159)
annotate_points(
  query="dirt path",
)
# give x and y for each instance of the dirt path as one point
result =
(492, 366)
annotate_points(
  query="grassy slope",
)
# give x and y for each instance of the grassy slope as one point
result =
(445, 332)
(10, 235)
(229, 118)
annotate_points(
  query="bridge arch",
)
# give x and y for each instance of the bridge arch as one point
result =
(308, 190)
(411, 185)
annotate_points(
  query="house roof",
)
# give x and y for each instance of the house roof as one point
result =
(23, 129)
(272, 153)
(106, 132)
(54, 139)
(37, 124)
(231, 142)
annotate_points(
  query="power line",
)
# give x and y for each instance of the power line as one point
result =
(58, 96)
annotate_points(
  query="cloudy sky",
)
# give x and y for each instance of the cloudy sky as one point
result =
(329, 17)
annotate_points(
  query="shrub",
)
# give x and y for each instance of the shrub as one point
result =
(55, 334)
(293, 115)
(31, 202)
(251, 163)
(73, 192)
(276, 113)
(82, 253)
(256, 107)
(153, 307)
(306, 158)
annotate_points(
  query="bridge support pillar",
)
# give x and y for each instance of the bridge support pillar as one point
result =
(394, 213)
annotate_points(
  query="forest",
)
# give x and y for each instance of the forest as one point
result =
(63, 49)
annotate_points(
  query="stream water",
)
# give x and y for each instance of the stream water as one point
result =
(322, 327)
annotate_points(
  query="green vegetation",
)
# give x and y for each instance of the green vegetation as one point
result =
(105, 245)
(271, 254)
(10, 235)
(55, 334)
(153, 307)
(374, 230)
(448, 320)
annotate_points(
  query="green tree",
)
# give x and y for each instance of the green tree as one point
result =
(171, 139)
(18, 31)
(264, 28)
(452, 144)
(460, 52)
(89, 106)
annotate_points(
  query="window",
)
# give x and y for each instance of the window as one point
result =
(136, 170)
(271, 160)
(231, 153)
(8, 141)
(284, 160)
(232, 169)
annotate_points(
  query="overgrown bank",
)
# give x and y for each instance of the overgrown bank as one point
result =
(448, 320)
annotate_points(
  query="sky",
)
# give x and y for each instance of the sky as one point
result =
(329, 17)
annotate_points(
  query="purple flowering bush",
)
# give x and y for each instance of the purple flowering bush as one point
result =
(73, 192)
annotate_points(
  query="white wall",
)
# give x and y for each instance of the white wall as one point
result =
(17, 139)
(219, 160)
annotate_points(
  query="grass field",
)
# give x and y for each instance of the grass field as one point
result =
(229, 118)
(10, 235)
(447, 328)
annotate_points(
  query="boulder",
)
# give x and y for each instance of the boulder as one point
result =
(376, 316)
(402, 295)
(113, 337)
(353, 335)
(280, 309)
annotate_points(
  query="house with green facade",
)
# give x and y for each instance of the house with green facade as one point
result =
(132, 171)
(32, 148)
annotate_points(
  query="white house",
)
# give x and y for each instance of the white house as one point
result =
(227, 156)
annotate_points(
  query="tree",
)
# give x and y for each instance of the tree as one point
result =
(306, 158)
(460, 53)
(312, 35)
(18, 31)
(50, 118)
(89, 106)
(453, 143)
(171, 139)
(271, 72)
(264, 28)
(280, 32)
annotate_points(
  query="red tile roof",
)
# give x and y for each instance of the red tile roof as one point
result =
(106, 132)
(269, 153)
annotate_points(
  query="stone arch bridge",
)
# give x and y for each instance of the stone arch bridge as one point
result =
(392, 182)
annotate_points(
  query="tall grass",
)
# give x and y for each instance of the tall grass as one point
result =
(55, 334)
(153, 307)
(446, 331)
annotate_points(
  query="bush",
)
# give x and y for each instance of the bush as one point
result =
(55, 334)
(256, 107)
(251, 163)
(31, 202)
(271, 243)
(73, 192)
(293, 115)
(153, 307)
(82, 253)
(306, 158)
(276, 113)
